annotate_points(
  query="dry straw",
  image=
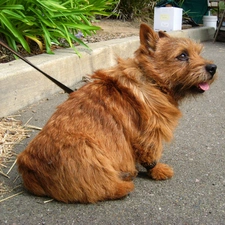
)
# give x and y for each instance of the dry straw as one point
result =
(11, 133)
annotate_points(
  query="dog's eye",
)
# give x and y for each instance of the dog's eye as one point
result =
(183, 57)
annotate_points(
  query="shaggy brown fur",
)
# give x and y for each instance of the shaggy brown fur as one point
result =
(88, 150)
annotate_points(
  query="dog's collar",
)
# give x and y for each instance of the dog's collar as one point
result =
(154, 80)
(164, 90)
(150, 166)
(160, 86)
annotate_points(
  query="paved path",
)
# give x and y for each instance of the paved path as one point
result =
(195, 195)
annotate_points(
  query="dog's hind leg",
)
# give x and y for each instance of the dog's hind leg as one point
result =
(128, 176)
(32, 184)
(121, 190)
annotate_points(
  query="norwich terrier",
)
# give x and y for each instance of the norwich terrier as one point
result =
(89, 149)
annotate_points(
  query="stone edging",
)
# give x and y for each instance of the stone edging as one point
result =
(21, 85)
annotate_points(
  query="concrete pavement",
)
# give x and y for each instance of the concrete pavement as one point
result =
(195, 195)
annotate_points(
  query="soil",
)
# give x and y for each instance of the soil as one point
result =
(110, 29)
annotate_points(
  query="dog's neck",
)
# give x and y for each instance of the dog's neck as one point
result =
(163, 88)
(150, 76)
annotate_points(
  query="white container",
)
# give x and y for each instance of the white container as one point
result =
(210, 21)
(167, 18)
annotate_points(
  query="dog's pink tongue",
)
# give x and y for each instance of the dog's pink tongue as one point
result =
(204, 86)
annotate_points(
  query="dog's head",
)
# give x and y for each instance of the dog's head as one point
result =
(177, 62)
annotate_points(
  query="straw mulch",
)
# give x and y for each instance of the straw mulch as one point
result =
(11, 133)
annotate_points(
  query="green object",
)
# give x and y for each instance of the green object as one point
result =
(49, 21)
(162, 3)
(195, 9)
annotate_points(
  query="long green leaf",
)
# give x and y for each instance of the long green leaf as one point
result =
(14, 31)
(12, 7)
(47, 39)
(51, 5)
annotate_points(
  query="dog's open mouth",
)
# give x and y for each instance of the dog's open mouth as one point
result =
(203, 86)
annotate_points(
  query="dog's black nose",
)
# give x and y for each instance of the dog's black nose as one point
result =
(211, 68)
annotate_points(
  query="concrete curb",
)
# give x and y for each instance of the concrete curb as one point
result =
(21, 85)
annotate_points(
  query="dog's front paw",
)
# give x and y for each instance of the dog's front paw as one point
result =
(161, 172)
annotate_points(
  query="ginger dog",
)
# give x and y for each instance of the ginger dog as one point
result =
(88, 150)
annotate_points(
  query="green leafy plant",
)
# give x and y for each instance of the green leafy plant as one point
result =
(221, 6)
(47, 21)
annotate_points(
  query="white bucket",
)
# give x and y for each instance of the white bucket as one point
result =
(210, 21)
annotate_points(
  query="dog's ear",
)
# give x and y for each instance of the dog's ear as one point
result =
(148, 37)
(162, 34)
